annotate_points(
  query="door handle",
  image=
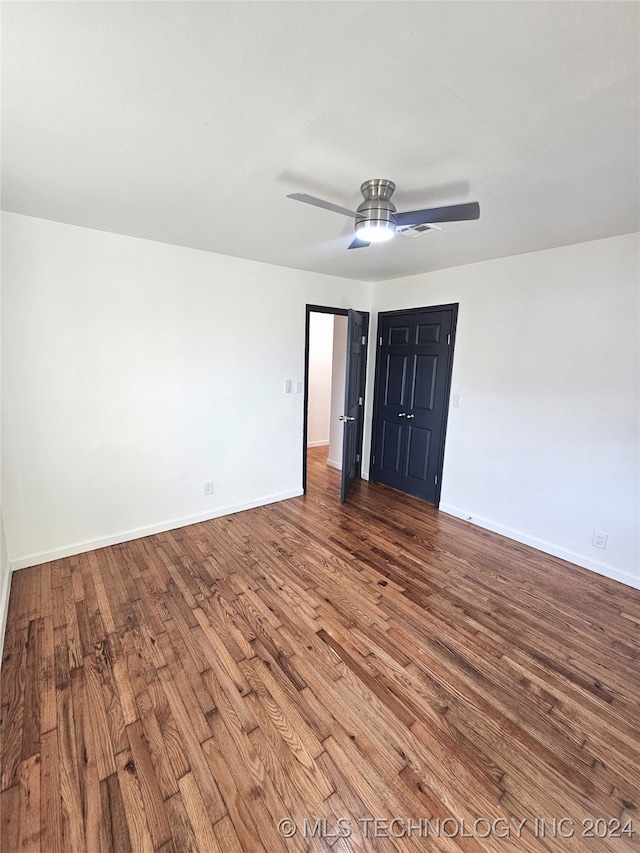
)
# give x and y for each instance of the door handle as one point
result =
(410, 416)
(345, 418)
(402, 415)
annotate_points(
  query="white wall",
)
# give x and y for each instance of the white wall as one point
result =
(319, 402)
(338, 377)
(545, 445)
(134, 371)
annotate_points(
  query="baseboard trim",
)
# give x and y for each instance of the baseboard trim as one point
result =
(548, 547)
(35, 559)
(333, 464)
(5, 590)
(318, 443)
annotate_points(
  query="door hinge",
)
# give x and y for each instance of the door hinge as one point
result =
(357, 457)
(360, 401)
(380, 341)
(364, 340)
(448, 340)
(373, 460)
(435, 482)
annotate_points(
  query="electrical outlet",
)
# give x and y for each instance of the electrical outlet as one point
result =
(599, 539)
(457, 400)
(208, 487)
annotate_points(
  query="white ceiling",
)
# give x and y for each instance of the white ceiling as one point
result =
(189, 123)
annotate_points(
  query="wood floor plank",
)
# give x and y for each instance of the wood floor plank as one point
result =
(57, 606)
(184, 837)
(280, 706)
(48, 677)
(226, 622)
(10, 818)
(100, 596)
(238, 808)
(289, 765)
(197, 813)
(153, 735)
(226, 836)
(14, 678)
(185, 638)
(29, 821)
(220, 658)
(72, 630)
(121, 680)
(31, 727)
(114, 821)
(318, 662)
(104, 718)
(192, 750)
(19, 604)
(128, 817)
(50, 797)
(362, 798)
(77, 583)
(190, 684)
(254, 784)
(150, 791)
(70, 793)
(169, 728)
(229, 703)
(94, 827)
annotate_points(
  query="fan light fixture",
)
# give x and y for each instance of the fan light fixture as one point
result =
(375, 232)
(375, 221)
(376, 218)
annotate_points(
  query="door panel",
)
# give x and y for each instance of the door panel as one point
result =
(391, 396)
(357, 328)
(396, 377)
(418, 447)
(414, 366)
(423, 382)
(399, 335)
(390, 453)
(427, 333)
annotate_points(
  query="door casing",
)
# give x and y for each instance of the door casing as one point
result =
(311, 309)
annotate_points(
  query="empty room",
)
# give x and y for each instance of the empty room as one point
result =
(320, 387)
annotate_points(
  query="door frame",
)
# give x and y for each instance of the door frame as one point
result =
(453, 307)
(311, 309)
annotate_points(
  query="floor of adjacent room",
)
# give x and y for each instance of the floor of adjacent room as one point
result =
(275, 680)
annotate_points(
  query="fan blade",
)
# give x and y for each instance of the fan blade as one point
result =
(318, 202)
(357, 243)
(452, 213)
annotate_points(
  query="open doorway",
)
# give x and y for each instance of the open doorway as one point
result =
(327, 355)
(335, 371)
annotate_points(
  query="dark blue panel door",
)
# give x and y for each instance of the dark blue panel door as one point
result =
(357, 327)
(414, 362)
(394, 365)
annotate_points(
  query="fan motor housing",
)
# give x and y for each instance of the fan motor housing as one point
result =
(377, 205)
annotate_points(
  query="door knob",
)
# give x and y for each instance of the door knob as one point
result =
(410, 416)
(345, 418)
(402, 415)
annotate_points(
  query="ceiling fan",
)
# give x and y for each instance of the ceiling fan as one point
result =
(376, 218)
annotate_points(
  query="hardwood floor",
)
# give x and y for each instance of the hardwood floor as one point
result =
(323, 663)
